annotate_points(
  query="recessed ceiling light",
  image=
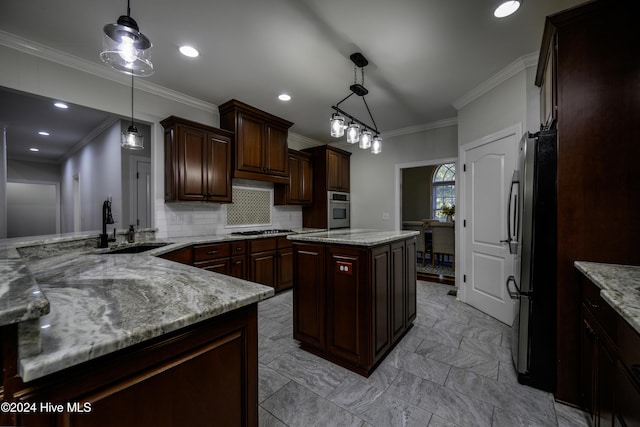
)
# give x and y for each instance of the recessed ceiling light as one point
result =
(43, 133)
(61, 105)
(507, 8)
(189, 51)
(284, 97)
(34, 149)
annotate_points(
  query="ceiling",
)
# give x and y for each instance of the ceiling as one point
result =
(423, 54)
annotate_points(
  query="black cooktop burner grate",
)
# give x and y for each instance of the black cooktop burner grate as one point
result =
(261, 232)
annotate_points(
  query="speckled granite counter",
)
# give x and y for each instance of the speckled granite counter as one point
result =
(620, 287)
(102, 303)
(354, 236)
(86, 303)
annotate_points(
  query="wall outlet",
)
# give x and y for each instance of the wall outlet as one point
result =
(386, 216)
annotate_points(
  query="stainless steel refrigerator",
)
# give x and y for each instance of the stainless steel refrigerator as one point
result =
(532, 240)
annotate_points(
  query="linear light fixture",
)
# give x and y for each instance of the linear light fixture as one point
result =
(125, 48)
(357, 131)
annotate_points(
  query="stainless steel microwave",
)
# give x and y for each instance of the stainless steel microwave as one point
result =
(339, 209)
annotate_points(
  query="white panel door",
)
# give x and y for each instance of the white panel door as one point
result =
(489, 165)
(143, 194)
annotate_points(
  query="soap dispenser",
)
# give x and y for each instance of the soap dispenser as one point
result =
(131, 234)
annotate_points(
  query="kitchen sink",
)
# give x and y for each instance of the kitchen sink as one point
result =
(137, 248)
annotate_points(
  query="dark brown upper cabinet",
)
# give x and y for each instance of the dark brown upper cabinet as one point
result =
(299, 189)
(197, 162)
(261, 150)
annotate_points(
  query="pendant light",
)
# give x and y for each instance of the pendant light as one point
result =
(125, 48)
(357, 131)
(132, 139)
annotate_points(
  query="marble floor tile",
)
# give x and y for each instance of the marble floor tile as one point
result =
(502, 418)
(486, 349)
(296, 405)
(518, 400)
(459, 358)
(388, 410)
(436, 421)
(269, 381)
(437, 335)
(453, 368)
(423, 367)
(571, 417)
(470, 331)
(265, 419)
(446, 403)
(314, 373)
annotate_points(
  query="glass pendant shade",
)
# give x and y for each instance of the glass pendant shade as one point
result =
(337, 125)
(353, 133)
(365, 139)
(126, 49)
(132, 139)
(376, 145)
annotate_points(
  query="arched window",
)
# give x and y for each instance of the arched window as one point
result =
(444, 188)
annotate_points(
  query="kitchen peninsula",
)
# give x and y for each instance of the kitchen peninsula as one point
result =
(125, 339)
(354, 294)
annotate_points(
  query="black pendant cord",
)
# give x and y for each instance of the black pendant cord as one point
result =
(128, 8)
(359, 90)
(132, 125)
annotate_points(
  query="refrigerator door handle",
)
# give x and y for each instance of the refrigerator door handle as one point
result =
(512, 235)
(512, 294)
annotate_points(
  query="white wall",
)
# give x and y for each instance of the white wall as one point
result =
(374, 181)
(22, 170)
(498, 109)
(98, 166)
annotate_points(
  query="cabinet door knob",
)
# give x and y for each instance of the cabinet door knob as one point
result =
(212, 252)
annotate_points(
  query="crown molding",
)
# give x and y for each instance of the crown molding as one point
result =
(303, 140)
(452, 121)
(44, 52)
(497, 79)
(95, 132)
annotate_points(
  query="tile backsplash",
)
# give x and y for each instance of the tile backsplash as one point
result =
(250, 206)
(200, 219)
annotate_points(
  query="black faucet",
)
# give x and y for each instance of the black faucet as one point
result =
(107, 218)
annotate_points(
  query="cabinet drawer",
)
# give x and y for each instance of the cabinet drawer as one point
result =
(262, 245)
(600, 309)
(212, 251)
(239, 247)
(283, 242)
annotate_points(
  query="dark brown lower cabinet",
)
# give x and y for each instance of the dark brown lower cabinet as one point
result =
(202, 375)
(610, 363)
(352, 305)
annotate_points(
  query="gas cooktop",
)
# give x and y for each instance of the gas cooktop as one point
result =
(261, 232)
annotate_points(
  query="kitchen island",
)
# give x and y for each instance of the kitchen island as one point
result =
(354, 294)
(103, 339)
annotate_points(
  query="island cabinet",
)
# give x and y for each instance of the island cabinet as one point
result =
(260, 143)
(197, 162)
(610, 362)
(202, 375)
(299, 190)
(353, 304)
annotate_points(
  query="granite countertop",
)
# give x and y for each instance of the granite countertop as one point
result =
(354, 236)
(619, 287)
(75, 302)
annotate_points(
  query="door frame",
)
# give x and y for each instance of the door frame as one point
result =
(133, 169)
(398, 182)
(461, 256)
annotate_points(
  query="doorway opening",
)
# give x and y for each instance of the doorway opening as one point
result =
(427, 197)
